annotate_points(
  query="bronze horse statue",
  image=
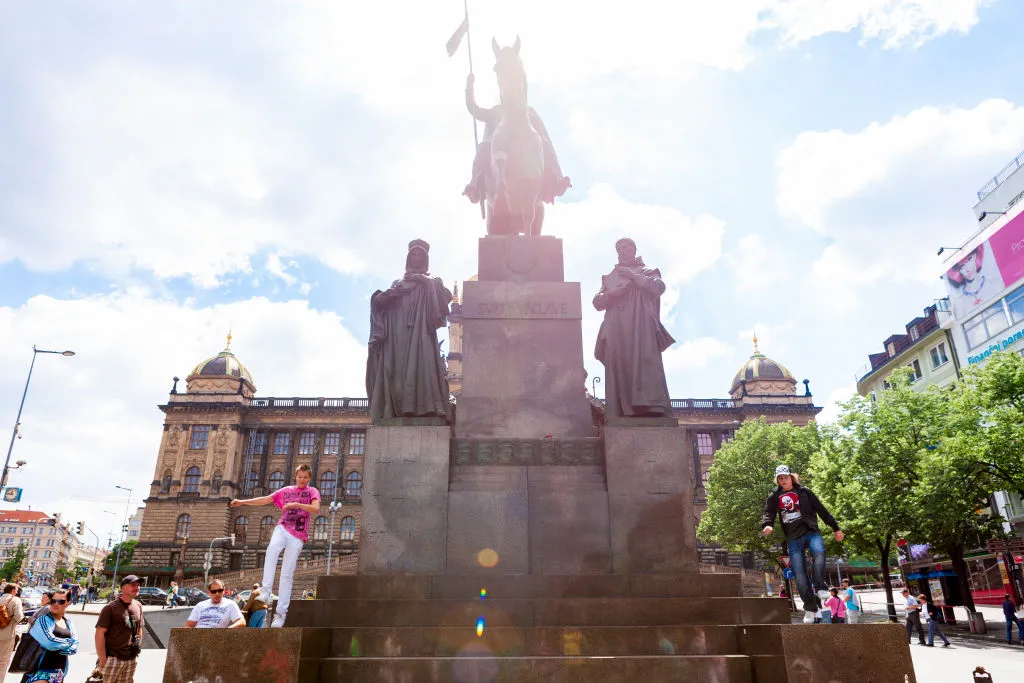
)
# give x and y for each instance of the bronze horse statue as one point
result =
(515, 169)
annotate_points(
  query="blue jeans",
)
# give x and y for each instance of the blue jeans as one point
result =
(933, 628)
(1009, 629)
(796, 547)
(257, 618)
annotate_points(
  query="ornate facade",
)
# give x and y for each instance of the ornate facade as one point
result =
(221, 442)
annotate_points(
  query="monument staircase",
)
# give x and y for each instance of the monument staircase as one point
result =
(528, 542)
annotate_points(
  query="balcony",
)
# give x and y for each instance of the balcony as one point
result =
(351, 500)
(296, 402)
(188, 495)
(703, 404)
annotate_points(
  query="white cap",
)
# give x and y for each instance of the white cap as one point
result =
(780, 470)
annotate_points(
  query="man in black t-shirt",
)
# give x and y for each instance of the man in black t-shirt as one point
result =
(119, 634)
(799, 509)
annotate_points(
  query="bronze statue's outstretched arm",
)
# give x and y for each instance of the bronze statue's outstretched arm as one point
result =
(479, 113)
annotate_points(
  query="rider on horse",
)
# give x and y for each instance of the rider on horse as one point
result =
(553, 183)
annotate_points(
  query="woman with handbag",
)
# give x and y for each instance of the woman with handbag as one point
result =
(15, 613)
(48, 644)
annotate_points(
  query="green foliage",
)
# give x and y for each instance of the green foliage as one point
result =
(993, 395)
(127, 551)
(742, 477)
(12, 567)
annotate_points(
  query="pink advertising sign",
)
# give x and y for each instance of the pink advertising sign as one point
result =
(988, 269)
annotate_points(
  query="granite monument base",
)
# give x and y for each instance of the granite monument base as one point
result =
(253, 655)
(650, 500)
(405, 500)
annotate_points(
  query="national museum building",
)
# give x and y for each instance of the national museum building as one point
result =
(221, 441)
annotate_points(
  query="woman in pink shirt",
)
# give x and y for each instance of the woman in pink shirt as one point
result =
(837, 605)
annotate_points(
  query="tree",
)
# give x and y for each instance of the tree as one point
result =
(127, 551)
(995, 393)
(741, 479)
(12, 567)
(869, 463)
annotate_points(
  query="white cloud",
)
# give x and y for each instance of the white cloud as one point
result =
(93, 418)
(888, 195)
(894, 22)
(830, 409)
(696, 353)
(758, 264)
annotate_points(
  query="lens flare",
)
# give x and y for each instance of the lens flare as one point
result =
(483, 593)
(479, 627)
(487, 557)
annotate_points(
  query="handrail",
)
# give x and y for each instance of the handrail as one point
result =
(298, 402)
(1004, 173)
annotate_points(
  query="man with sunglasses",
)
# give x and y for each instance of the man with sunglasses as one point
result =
(215, 612)
(119, 634)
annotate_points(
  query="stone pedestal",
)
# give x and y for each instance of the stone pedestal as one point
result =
(405, 500)
(522, 345)
(650, 500)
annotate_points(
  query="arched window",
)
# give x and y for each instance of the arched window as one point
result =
(215, 483)
(252, 483)
(354, 484)
(192, 477)
(165, 482)
(276, 481)
(321, 527)
(705, 475)
(348, 529)
(266, 529)
(241, 526)
(328, 485)
(183, 527)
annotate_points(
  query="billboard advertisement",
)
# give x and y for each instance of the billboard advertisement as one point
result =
(988, 269)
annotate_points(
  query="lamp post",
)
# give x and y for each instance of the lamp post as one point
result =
(17, 420)
(209, 557)
(120, 543)
(838, 573)
(92, 567)
(330, 544)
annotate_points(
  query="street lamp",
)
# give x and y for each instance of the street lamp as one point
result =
(334, 507)
(209, 557)
(838, 573)
(124, 528)
(17, 420)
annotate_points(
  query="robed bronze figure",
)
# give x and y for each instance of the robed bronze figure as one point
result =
(632, 338)
(515, 169)
(405, 374)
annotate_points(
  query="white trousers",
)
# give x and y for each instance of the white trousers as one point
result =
(852, 616)
(280, 541)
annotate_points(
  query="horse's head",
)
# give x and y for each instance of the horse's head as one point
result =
(511, 74)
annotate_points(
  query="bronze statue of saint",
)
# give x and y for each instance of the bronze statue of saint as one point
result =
(515, 169)
(632, 338)
(405, 374)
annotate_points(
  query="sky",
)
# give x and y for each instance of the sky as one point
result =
(172, 171)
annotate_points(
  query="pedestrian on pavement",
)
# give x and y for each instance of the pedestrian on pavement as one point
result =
(256, 607)
(837, 605)
(56, 634)
(15, 612)
(1010, 614)
(44, 608)
(119, 634)
(172, 595)
(92, 593)
(75, 589)
(913, 621)
(850, 598)
(297, 503)
(216, 612)
(799, 509)
(934, 617)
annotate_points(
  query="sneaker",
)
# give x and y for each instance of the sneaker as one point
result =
(809, 617)
(945, 645)
(278, 621)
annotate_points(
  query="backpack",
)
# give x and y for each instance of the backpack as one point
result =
(5, 616)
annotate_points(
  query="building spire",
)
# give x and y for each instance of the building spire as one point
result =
(455, 292)
(756, 350)
(228, 347)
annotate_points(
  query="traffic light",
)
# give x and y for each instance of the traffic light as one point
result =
(81, 528)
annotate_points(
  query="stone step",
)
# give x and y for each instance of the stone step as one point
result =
(540, 612)
(423, 587)
(539, 641)
(475, 665)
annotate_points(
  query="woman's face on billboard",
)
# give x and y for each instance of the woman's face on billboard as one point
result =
(969, 268)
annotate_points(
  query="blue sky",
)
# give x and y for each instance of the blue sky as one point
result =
(171, 171)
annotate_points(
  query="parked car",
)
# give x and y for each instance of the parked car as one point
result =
(243, 597)
(191, 596)
(151, 595)
(31, 600)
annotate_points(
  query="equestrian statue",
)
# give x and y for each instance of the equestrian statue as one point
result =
(515, 170)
